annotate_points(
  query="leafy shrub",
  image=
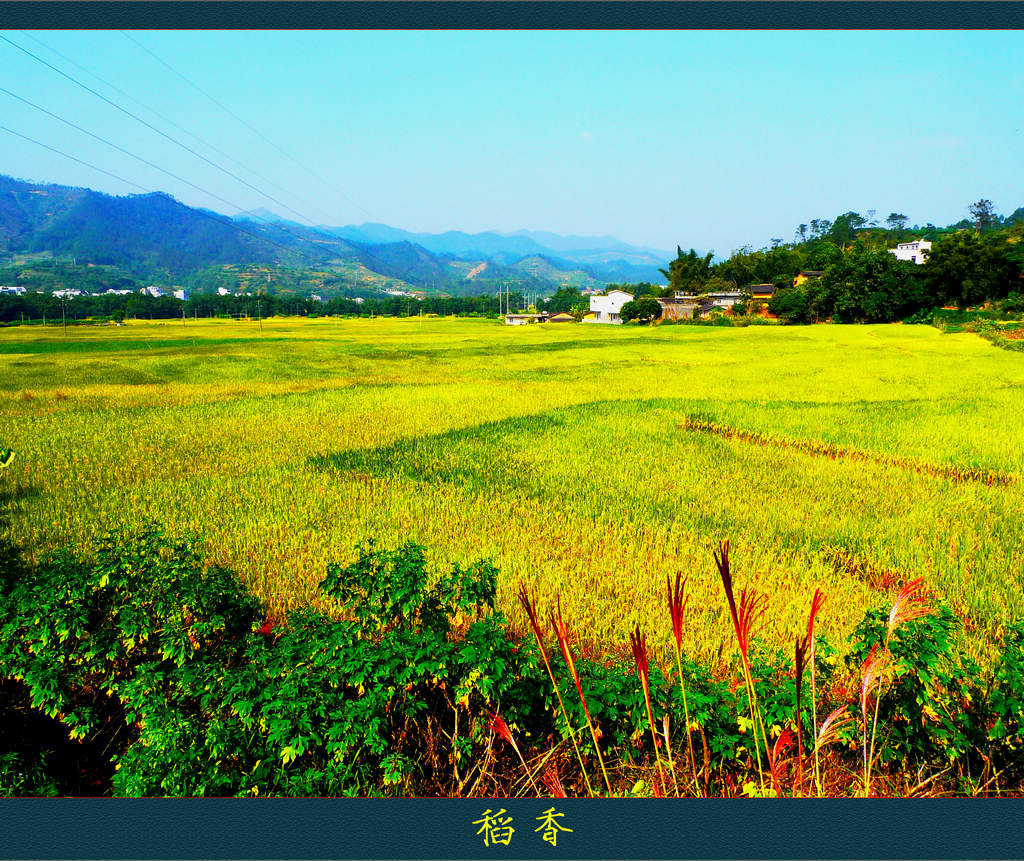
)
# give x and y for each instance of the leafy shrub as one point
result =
(200, 694)
(1005, 717)
(924, 316)
(924, 706)
(171, 665)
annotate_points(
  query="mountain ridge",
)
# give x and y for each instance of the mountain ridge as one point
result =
(156, 237)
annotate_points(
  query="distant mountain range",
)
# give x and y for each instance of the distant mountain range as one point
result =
(154, 237)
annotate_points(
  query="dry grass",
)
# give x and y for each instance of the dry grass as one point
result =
(555, 452)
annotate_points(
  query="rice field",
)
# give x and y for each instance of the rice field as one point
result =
(587, 460)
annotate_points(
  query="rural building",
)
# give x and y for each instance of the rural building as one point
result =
(761, 292)
(705, 308)
(726, 299)
(677, 307)
(806, 275)
(915, 252)
(521, 319)
(606, 308)
(760, 296)
(562, 317)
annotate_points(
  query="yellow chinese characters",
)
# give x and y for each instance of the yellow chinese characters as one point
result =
(494, 828)
(550, 827)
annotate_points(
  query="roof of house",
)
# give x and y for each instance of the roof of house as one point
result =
(761, 288)
(812, 273)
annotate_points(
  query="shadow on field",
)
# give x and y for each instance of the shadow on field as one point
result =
(13, 494)
(483, 455)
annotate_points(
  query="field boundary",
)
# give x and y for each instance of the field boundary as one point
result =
(818, 448)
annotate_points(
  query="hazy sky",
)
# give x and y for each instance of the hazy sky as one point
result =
(706, 139)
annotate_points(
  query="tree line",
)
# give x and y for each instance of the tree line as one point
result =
(49, 308)
(854, 278)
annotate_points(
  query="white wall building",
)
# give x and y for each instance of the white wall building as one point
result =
(606, 308)
(915, 252)
(725, 300)
(181, 294)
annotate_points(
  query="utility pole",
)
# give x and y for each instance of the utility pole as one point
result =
(183, 315)
(63, 316)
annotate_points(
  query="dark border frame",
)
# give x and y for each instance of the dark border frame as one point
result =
(528, 14)
(438, 828)
(411, 829)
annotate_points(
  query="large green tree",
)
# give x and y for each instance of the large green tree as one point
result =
(984, 214)
(967, 269)
(688, 272)
(564, 300)
(874, 287)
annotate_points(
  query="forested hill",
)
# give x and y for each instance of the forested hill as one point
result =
(155, 238)
(146, 234)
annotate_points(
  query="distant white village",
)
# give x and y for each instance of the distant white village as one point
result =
(70, 293)
(607, 307)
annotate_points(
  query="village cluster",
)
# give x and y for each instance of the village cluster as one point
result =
(606, 307)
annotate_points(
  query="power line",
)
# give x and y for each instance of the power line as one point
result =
(119, 148)
(150, 126)
(254, 130)
(73, 158)
(220, 219)
(167, 119)
(179, 143)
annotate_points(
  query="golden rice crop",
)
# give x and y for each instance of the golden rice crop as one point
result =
(573, 457)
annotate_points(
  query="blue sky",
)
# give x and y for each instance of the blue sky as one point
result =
(707, 139)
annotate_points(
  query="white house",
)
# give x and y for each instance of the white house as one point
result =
(726, 299)
(521, 319)
(606, 308)
(915, 252)
(181, 294)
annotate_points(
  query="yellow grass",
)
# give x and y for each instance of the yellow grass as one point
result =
(571, 456)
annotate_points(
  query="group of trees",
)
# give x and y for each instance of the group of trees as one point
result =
(971, 262)
(862, 284)
(45, 306)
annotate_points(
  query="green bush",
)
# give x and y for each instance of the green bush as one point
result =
(204, 695)
(1004, 715)
(925, 700)
(175, 670)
